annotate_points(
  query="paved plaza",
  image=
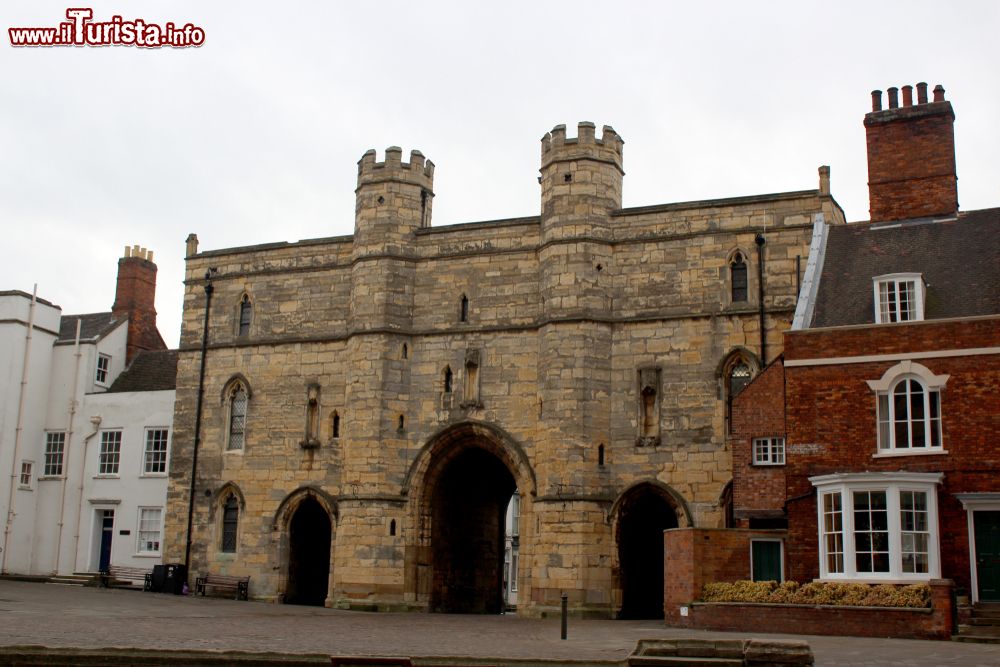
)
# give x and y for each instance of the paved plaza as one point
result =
(61, 616)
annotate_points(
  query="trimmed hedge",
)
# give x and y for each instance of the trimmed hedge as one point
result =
(820, 593)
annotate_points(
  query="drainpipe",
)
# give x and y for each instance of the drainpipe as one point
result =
(95, 422)
(759, 240)
(11, 497)
(68, 445)
(197, 416)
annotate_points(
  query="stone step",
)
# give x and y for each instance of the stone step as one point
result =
(979, 620)
(979, 630)
(986, 613)
(976, 639)
(682, 661)
(695, 648)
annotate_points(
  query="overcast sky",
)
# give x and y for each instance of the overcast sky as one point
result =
(255, 136)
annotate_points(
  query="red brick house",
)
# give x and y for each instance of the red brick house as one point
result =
(873, 444)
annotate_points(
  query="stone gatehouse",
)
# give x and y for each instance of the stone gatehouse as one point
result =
(371, 402)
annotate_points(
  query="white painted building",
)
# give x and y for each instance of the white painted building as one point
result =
(75, 431)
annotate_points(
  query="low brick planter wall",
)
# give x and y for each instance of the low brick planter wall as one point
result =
(934, 623)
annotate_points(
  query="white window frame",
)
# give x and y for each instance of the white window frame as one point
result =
(773, 453)
(845, 484)
(897, 283)
(142, 535)
(781, 553)
(884, 387)
(51, 459)
(102, 373)
(26, 476)
(146, 451)
(102, 464)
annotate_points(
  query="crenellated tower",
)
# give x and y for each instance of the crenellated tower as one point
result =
(393, 201)
(581, 183)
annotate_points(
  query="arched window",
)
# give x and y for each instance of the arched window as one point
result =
(909, 409)
(246, 314)
(909, 416)
(449, 379)
(230, 523)
(735, 372)
(463, 314)
(335, 424)
(238, 403)
(406, 351)
(738, 278)
(739, 377)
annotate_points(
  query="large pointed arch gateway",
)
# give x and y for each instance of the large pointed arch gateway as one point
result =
(639, 516)
(306, 520)
(459, 488)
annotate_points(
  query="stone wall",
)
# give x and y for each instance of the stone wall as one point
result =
(565, 313)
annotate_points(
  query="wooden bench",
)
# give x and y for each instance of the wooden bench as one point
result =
(239, 585)
(116, 574)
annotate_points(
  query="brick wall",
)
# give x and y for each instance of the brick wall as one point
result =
(934, 623)
(911, 161)
(696, 556)
(831, 417)
(758, 411)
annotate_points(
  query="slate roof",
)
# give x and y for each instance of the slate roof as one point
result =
(93, 325)
(152, 370)
(959, 259)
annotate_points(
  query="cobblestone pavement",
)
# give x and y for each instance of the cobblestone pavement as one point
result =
(61, 616)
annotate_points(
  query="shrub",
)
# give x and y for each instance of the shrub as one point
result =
(821, 593)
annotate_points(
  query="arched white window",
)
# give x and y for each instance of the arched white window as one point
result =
(909, 409)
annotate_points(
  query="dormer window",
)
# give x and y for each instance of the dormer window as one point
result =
(899, 297)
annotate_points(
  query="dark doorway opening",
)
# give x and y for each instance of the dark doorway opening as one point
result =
(470, 500)
(308, 554)
(987, 532)
(107, 535)
(643, 517)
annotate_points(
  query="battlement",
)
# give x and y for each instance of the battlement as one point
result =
(418, 171)
(556, 147)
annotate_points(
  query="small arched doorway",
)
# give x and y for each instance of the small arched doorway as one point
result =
(469, 506)
(309, 538)
(644, 513)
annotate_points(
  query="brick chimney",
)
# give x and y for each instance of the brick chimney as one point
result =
(911, 155)
(134, 299)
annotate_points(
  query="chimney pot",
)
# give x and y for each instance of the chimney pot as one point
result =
(939, 93)
(922, 93)
(907, 96)
(893, 97)
(876, 100)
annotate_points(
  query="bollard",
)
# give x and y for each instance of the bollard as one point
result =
(565, 612)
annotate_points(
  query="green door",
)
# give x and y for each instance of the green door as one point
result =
(765, 557)
(987, 527)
